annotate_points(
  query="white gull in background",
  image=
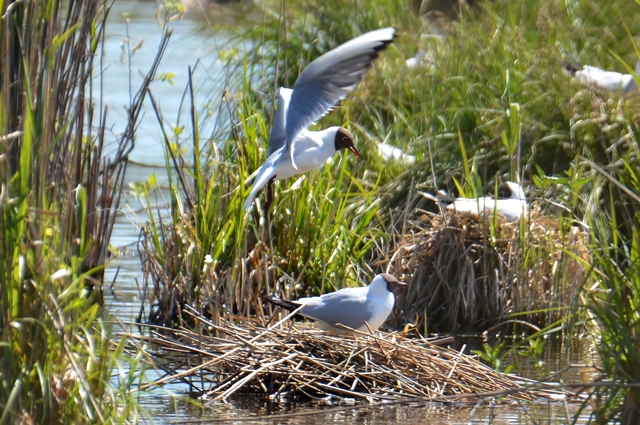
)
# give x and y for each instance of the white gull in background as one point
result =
(351, 307)
(389, 152)
(607, 80)
(417, 60)
(293, 149)
(510, 203)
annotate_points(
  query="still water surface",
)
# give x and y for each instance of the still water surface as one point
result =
(193, 42)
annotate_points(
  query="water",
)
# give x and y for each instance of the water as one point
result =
(188, 46)
(246, 411)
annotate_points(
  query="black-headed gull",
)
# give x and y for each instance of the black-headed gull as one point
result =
(292, 148)
(389, 152)
(606, 80)
(351, 307)
(510, 203)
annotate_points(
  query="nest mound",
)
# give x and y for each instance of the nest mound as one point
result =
(296, 362)
(468, 273)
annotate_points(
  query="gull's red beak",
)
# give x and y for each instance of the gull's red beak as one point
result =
(355, 151)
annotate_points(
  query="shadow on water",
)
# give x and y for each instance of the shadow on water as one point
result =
(136, 22)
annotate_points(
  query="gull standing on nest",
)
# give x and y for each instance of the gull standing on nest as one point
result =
(361, 308)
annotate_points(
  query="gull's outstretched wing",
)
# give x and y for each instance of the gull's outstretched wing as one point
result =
(329, 78)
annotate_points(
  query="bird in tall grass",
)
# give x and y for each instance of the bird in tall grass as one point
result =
(292, 148)
(361, 308)
(611, 81)
(510, 203)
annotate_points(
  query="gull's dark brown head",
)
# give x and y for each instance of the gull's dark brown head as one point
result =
(504, 191)
(344, 140)
(509, 190)
(392, 282)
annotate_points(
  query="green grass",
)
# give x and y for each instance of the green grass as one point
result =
(59, 361)
(490, 101)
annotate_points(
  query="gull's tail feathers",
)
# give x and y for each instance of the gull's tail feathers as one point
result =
(287, 305)
(265, 173)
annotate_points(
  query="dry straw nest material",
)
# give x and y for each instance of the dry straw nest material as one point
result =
(468, 273)
(286, 361)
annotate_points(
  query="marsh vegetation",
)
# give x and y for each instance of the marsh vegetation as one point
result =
(488, 101)
(62, 176)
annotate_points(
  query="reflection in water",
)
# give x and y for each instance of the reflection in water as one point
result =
(186, 47)
(243, 410)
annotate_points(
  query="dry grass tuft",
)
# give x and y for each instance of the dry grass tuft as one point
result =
(285, 362)
(467, 274)
(168, 286)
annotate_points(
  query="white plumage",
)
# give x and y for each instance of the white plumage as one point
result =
(608, 80)
(510, 203)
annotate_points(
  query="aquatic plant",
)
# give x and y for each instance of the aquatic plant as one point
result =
(60, 192)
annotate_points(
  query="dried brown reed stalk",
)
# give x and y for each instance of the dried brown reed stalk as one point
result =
(464, 278)
(282, 361)
(237, 286)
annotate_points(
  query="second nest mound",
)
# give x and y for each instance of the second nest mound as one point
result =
(467, 274)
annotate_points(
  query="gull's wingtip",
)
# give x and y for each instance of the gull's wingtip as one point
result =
(386, 36)
(248, 203)
(389, 32)
(429, 196)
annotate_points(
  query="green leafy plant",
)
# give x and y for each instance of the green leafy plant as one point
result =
(494, 356)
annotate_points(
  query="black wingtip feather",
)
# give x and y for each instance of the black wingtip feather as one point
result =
(385, 43)
(287, 305)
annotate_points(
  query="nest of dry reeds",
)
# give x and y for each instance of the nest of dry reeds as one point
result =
(287, 361)
(468, 273)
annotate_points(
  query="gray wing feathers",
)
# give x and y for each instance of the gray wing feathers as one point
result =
(351, 311)
(329, 78)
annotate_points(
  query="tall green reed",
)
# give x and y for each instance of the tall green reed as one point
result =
(59, 197)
